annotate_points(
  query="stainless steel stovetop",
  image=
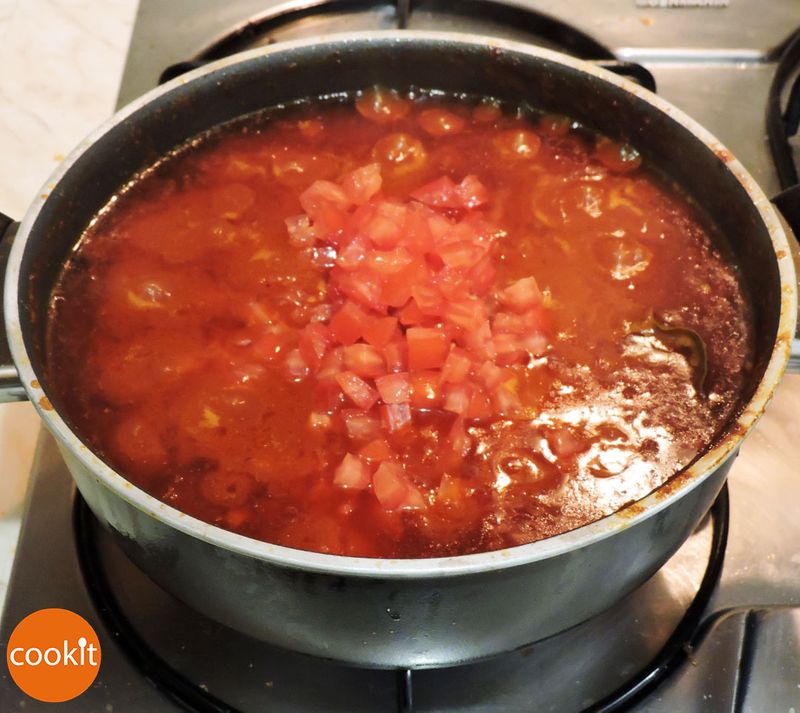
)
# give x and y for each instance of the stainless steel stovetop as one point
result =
(712, 58)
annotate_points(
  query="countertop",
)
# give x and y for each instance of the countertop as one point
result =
(62, 62)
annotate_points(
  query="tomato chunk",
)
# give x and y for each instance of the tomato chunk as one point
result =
(380, 330)
(394, 388)
(364, 360)
(376, 451)
(395, 417)
(523, 295)
(427, 347)
(352, 473)
(440, 193)
(393, 489)
(414, 320)
(426, 391)
(348, 324)
(363, 183)
(357, 390)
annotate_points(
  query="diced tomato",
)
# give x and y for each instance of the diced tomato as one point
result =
(396, 354)
(323, 194)
(458, 437)
(469, 314)
(427, 298)
(461, 255)
(397, 287)
(389, 262)
(457, 398)
(471, 192)
(411, 314)
(416, 232)
(364, 360)
(480, 406)
(534, 344)
(506, 401)
(426, 390)
(357, 390)
(360, 425)
(393, 489)
(385, 227)
(353, 254)
(456, 367)
(301, 233)
(395, 417)
(330, 365)
(296, 365)
(376, 451)
(319, 421)
(380, 331)
(451, 489)
(482, 276)
(360, 285)
(394, 388)
(440, 193)
(522, 295)
(491, 375)
(508, 349)
(353, 473)
(314, 342)
(416, 286)
(510, 323)
(479, 342)
(363, 183)
(427, 347)
(270, 344)
(348, 324)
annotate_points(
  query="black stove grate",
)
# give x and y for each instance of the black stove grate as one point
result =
(488, 17)
(188, 695)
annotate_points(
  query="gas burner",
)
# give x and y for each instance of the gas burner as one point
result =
(485, 17)
(180, 660)
(492, 18)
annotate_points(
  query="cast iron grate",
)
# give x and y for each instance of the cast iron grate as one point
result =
(487, 16)
(190, 696)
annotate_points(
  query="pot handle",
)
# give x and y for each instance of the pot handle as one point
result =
(788, 203)
(781, 125)
(10, 384)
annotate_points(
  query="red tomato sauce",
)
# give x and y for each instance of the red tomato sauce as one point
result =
(399, 328)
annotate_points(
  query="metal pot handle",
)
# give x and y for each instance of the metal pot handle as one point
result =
(781, 125)
(10, 384)
(788, 203)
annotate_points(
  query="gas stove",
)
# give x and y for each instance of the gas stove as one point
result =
(717, 629)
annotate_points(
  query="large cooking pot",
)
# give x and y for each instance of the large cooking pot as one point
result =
(399, 613)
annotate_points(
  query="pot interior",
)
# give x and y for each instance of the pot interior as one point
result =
(158, 123)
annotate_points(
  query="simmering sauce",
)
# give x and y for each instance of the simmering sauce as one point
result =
(397, 327)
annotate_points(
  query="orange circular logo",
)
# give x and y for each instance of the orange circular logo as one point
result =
(53, 655)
